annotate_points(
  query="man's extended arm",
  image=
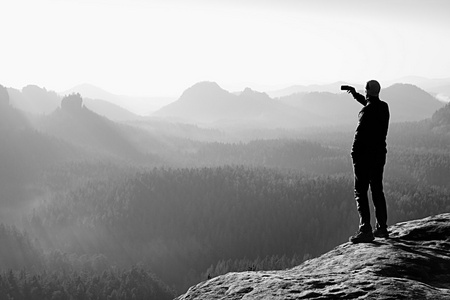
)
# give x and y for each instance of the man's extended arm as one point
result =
(358, 97)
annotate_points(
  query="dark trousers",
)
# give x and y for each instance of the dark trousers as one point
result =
(369, 171)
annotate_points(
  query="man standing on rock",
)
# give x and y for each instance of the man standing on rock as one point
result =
(369, 156)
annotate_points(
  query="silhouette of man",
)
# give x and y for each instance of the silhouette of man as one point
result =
(369, 157)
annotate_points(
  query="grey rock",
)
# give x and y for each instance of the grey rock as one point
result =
(414, 263)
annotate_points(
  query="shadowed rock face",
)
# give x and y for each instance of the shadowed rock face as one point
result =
(414, 263)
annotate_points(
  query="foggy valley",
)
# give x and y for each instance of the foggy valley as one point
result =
(98, 200)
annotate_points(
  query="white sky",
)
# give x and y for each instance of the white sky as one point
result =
(160, 48)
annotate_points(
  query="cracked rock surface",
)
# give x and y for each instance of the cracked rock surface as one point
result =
(414, 263)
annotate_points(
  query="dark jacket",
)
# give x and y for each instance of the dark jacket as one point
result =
(370, 136)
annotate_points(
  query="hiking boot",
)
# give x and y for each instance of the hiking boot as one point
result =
(362, 237)
(381, 233)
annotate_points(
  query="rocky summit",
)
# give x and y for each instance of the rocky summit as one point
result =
(414, 263)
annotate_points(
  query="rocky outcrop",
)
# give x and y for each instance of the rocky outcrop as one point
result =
(414, 263)
(4, 96)
(72, 103)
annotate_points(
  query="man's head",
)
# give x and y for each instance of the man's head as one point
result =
(373, 88)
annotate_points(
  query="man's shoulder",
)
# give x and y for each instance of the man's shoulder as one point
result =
(382, 103)
(375, 107)
(385, 105)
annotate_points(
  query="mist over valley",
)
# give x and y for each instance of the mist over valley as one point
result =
(215, 181)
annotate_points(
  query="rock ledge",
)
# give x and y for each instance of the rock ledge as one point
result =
(414, 263)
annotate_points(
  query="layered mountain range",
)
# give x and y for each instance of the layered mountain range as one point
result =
(204, 103)
(40, 101)
(208, 103)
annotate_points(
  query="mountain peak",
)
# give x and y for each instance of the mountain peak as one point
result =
(203, 84)
(248, 92)
(204, 88)
(412, 264)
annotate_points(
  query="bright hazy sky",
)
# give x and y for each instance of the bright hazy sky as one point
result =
(162, 47)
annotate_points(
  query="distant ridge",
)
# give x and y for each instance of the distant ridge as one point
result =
(408, 102)
(331, 88)
(439, 87)
(78, 125)
(141, 106)
(39, 101)
(89, 91)
(208, 103)
(34, 100)
(110, 110)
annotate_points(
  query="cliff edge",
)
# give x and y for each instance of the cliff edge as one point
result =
(414, 263)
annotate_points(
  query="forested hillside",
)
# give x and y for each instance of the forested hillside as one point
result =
(179, 222)
(31, 273)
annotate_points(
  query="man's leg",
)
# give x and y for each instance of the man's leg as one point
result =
(362, 201)
(379, 201)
